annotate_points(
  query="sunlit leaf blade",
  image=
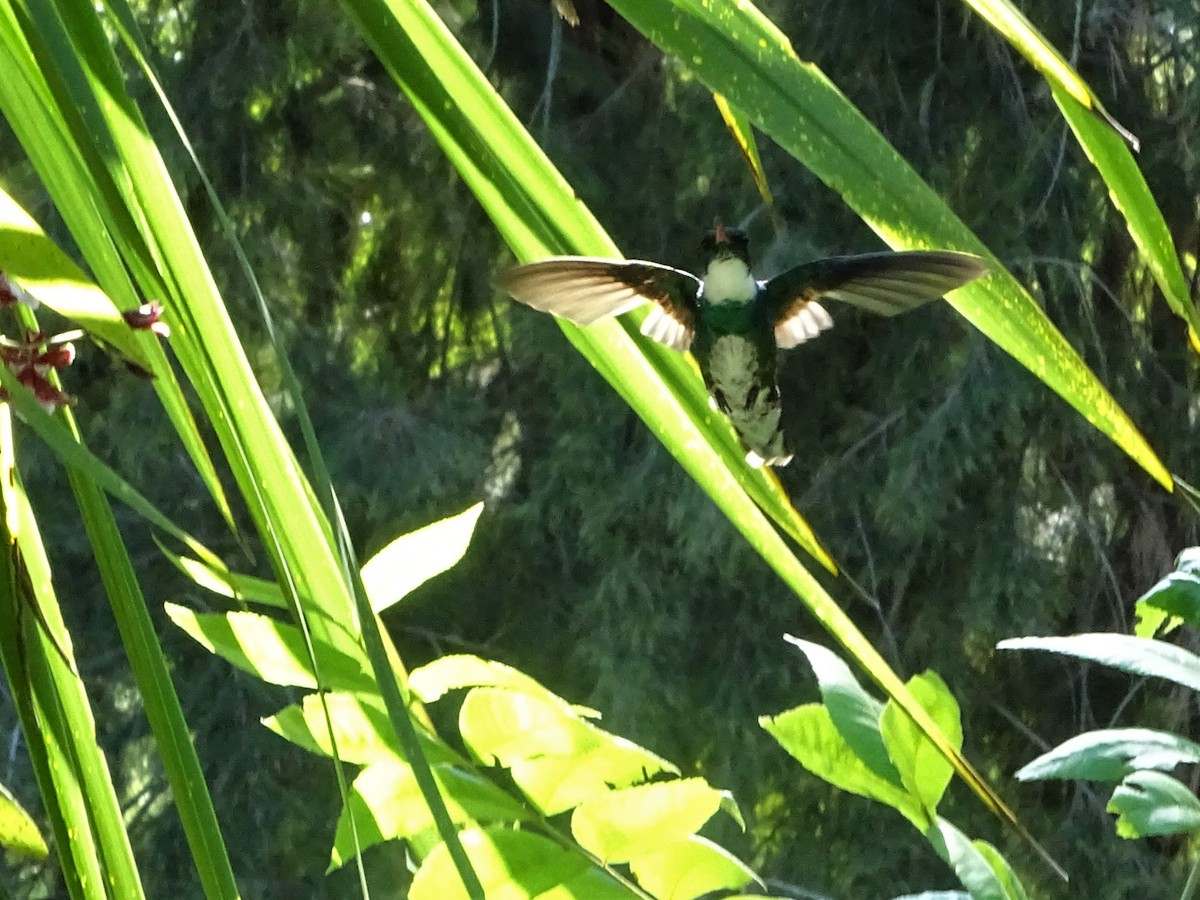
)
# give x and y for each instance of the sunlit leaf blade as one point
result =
(539, 215)
(517, 864)
(502, 166)
(1111, 754)
(743, 134)
(18, 832)
(1135, 655)
(56, 716)
(556, 758)
(270, 650)
(734, 50)
(412, 559)
(1131, 195)
(359, 723)
(924, 771)
(71, 175)
(1107, 146)
(618, 825)
(388, 804)
(807, 732)
(1009, 21)
(693, 867)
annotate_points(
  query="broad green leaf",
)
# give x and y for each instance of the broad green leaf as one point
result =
(807, 732)
(1111, 754)
(270, 650)
(1136, 655)
(1009, 882)
(412, 559)
(854, 712)
(448, 673)
(360, 726)
(619, 825)
(1151, 803)
(737, 52)
(387, 804)
(1177, 596)
(18, 832)
(923, 770)
(517, 865)
(969, 864)
(690, 868)
(558, 759)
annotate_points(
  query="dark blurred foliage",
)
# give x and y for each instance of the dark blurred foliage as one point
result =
(970, 502)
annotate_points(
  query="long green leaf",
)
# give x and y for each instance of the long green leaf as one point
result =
(737, 52)
(1107, 146)
(538, 214)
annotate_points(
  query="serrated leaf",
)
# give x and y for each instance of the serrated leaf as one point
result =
(854, 712)
(1111, 754)
(690, 868)
(1151, 803)
(387, 804)
(807, 732)
(361, 727)
(519, 865)
(618, 825)
(412, 559)
(270, 650)
(973, 869)
(924, 771)
(558, 759)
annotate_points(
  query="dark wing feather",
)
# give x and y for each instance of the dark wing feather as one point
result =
(585, 290)
(883, 283)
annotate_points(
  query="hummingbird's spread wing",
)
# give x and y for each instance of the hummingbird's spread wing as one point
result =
(585, 290)
(883, 283)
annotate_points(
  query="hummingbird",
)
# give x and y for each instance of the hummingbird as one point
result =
(733, 323)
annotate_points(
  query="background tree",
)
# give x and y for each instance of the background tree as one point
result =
(971, 503)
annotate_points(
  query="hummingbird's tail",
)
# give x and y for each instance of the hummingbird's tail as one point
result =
(759, 425)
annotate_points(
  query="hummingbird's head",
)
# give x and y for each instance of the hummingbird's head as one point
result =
(723, 243)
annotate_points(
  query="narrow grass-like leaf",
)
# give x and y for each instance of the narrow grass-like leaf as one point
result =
(736, 51)
(55, 714)
(1009, 21)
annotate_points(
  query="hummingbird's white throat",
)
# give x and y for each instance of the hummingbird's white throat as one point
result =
(728, 280)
